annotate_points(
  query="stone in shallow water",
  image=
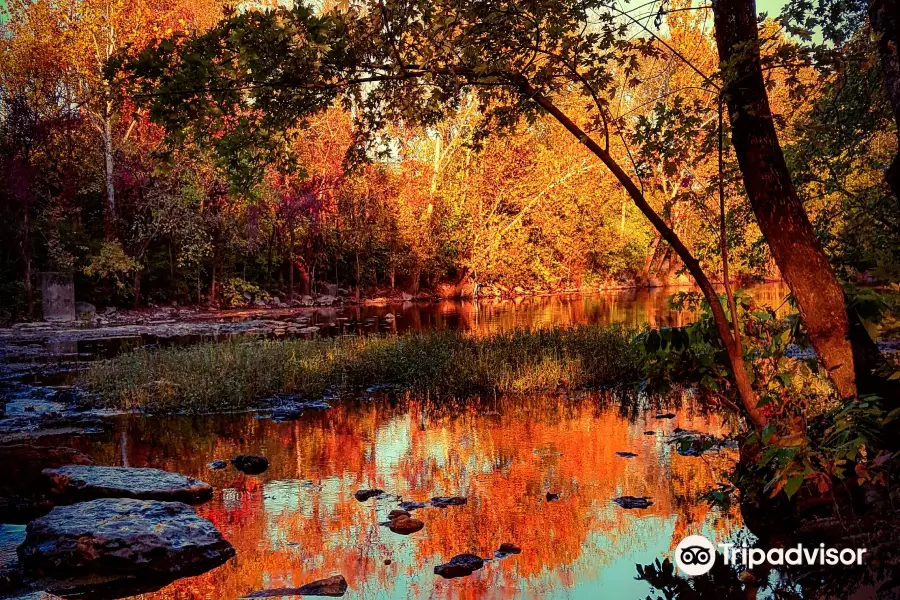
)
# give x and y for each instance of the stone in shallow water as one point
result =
(459, 566)
(250, 464)
(410, 505)
(665, 416)
(335, 586)
(634, 502)
(445, 501)
(405, 525)
(507, 549)
(122, 536)
(552, 497)
(76, 483)
(363, 495)
(626, 454)
(217, 464)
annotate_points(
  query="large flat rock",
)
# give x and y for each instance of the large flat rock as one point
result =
(122, 536)
(77, 483)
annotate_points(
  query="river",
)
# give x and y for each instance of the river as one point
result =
(299, 521)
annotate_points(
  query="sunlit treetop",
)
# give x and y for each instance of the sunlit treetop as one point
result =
(250, 80)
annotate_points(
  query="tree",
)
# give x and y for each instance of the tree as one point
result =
(778, 209)
(253, 76)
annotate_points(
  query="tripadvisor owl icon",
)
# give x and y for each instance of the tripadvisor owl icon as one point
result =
(695, 555)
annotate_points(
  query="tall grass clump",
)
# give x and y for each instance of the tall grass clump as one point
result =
(235, 375)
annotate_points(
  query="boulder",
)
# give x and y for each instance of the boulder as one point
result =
(334, 586)
(445, 501)
(459, 566)
(250, 464)
(363, 495)
(77, 483)
(217, 464)
(405, 525)
(634, 502)
(396, 514)
(122, 536)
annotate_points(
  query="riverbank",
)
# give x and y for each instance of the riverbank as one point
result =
(236, 375)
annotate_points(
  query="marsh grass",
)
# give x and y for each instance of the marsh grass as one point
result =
(235, 375)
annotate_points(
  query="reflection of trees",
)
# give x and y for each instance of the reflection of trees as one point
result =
(299, 521)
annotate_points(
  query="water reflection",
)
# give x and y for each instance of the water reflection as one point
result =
(631, 307)
(299, 521)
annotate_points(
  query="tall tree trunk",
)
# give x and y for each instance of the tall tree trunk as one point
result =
(27, 259)
(137, 287)
(109, 209)
(779, 211)
(723, 327)
(883, 17)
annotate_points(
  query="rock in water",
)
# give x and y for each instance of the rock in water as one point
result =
(551, 497)
(217, 464)
(634, 502)
(445, 501)
(250, 464)
(665, 416)
(506, 549)
(405, 525)
(459, 566)
(121, 536)
(363, 495)
(335, 585)
(76, 483)
(408, 506)
(626, 454)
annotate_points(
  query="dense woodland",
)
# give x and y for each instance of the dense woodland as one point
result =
(463, 198)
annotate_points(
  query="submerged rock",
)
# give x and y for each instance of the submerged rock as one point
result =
(217, 464)
(552, 497)
(634, 502)
(123, 536)
(445, 501)
(410, 505)
(405, 525)
(250, 464)
(396, 514)
(76, 483)
(626, 454)
(363, 495)
(459, 566)
(334, 586)
(665, 416)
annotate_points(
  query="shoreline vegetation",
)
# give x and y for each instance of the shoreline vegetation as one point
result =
(236, 375)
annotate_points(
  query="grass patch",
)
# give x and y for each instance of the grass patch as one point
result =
(234, 375)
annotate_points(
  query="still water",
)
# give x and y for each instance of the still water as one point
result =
(299, 521)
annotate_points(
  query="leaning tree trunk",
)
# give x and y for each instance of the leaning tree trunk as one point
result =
(779, 211)
(883, 18)
(723, 326)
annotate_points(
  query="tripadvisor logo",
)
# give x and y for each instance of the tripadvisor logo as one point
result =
(696, 555)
